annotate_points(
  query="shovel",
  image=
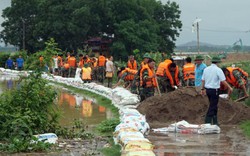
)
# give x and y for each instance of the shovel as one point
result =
(240, 99)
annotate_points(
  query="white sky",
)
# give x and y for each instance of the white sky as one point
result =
(223, 21)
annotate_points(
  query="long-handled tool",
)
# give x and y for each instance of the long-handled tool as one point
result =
(157, 85)
(240, 99)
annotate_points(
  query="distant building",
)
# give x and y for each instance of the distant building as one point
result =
(98, 45)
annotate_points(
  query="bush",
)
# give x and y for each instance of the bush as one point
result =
(28, 110)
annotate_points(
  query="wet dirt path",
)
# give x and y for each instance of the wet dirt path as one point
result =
(230, 142)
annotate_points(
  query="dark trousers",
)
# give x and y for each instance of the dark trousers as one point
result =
(213, 97)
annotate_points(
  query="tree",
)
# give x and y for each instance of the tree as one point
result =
(147, 25)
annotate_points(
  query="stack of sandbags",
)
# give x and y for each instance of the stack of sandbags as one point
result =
(209, 129)
(185, 128)
(130, 134)
(123, 98)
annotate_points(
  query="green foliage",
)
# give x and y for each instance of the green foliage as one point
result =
(147, 25)
(26, 111)
(51, 50)
(3, 58)
(21, 145)
(114, 150)
(76, 131)
(108, 126)
(245, 126)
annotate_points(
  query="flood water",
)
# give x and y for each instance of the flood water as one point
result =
(230, 142)
(72, 106)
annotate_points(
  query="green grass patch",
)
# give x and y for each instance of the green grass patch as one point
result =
(245, 126)
(113, 150)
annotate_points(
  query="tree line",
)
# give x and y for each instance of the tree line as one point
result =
(147, 25)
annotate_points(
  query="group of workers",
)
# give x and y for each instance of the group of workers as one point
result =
(168, 77)
(90, 68)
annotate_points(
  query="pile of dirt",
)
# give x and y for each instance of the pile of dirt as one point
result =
(187, 104)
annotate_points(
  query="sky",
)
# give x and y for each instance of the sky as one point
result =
(223, 22)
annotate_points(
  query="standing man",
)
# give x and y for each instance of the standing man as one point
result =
(199, 69)
(101, 67)
(19, 63)
(188, 72)
(211, 79)
(9, 63)
(109, 71)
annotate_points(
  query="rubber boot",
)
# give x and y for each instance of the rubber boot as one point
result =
(208, 119)
(215, 120)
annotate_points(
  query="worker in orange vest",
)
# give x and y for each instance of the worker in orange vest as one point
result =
(72, 65)
(80, 62)
(65, 70)
(188, 72)
(173, 77)
(60, 64)
(123, 76)
(101, 67)
(237, 78)
(86, 73)
(131, 64)
(148, 80)
(161, 75)
(94, 67)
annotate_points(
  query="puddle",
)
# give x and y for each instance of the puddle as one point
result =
(230, 142)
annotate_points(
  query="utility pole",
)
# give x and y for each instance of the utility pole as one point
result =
(198, 38)
(196, 24)
(23, 21)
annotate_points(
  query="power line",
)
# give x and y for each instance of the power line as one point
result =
(219, 31)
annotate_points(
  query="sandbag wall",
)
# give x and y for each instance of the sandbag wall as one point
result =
(133, 126)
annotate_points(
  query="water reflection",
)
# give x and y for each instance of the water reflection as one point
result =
(70, 105)
(78, 107)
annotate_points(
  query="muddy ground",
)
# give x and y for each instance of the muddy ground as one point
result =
(187, 104)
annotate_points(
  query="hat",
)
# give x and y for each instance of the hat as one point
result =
(216, 59)
(146, 55)
(199, 57)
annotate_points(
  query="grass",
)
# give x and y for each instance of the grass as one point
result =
(245, 126)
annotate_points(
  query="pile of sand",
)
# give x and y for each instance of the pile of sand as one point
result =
(187, 104)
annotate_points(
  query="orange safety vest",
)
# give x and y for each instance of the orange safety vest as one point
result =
(150, 82)
(101, 61)
(131, 66)
(130, 72)
(176, 79)
(72, 62)
(60, 61)
(86, 73)
(80, 63)
(188, 71)
(232, 80)
(163, 67)
(66, 66)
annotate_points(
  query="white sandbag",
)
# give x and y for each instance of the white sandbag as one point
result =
(209, 129)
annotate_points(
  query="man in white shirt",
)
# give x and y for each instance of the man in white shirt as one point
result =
(211, 79)
(109, 71)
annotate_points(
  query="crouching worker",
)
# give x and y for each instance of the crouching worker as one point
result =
(148, 80)
(124, 72)
(237, 78)
(86, 73)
